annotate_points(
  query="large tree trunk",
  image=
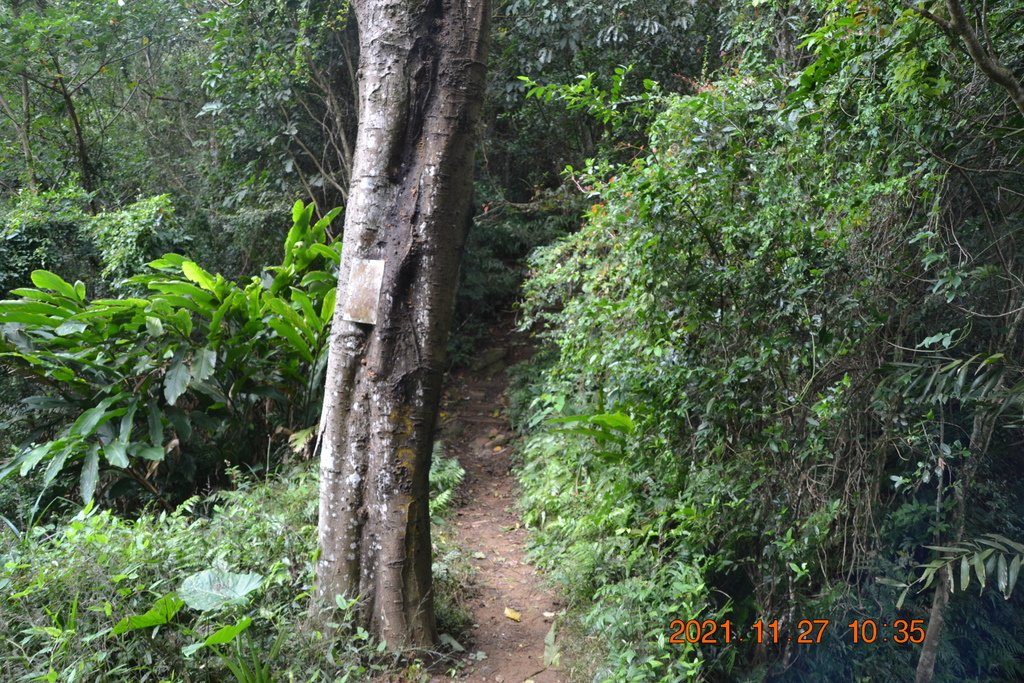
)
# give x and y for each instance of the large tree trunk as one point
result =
(421, 86)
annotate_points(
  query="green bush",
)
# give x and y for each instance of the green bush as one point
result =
(151, 395)
(98, 597)
(775, 292)
(46, 230)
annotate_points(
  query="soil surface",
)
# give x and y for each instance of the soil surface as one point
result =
(512, 608)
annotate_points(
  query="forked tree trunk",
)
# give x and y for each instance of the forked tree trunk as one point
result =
(421, 87)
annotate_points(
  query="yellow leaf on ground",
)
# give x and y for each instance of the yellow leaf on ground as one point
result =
(512, 614)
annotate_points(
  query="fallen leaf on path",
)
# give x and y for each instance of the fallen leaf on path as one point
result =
(512, 614)
(499, 449)
(479, 555)
(549, 615)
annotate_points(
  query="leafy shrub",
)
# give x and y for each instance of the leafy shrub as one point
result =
(158, 390)
(756, 293)
(98, 597)
(46, 230)
(127, 238)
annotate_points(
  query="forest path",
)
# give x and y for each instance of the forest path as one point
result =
(487, 525)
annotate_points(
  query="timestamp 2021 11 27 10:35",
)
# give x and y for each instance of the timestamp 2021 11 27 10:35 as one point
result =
(803, 632)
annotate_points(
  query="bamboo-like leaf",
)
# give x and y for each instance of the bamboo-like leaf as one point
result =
(1014, 571)
(979, 568)
(902, 598)
(965, 573)
(945, 549)
(1002, 575)
(993, 544)
(1019, 547)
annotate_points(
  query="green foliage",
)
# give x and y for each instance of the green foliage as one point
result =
(445, 476)
(98, 597)
(46, 230)
(756, 292)
(140, 388)
(279, 94)
(128, 238)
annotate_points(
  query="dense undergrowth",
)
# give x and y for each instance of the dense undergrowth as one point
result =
(97, 596)
(783, 359)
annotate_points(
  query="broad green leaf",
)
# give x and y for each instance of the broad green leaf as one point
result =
(167, 261)
(284, 330)
(176, 381)
(88, 421)
(90, 473)
(320, 229)
(326, 252)
(183, 288)
(116, 453)
(39, 295)
(32, 307)
(203, 364)
(214, 588)
(197, 275)
(56, 464)
(327, 309)
(23, 318)
(154, 453)
(286, 312)
(44, 279)
(618, 421)
(311, 317)
(29, 459)
(228, 633)
(70, 327)
(221, 636)
(161, 613)
(154, 326)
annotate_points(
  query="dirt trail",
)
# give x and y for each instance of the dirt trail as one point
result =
(488, 528)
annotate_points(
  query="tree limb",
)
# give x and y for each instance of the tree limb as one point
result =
(982, 55)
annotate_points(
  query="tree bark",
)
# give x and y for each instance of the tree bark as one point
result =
(421, 87)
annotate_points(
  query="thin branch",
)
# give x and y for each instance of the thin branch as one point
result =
(983, 56)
